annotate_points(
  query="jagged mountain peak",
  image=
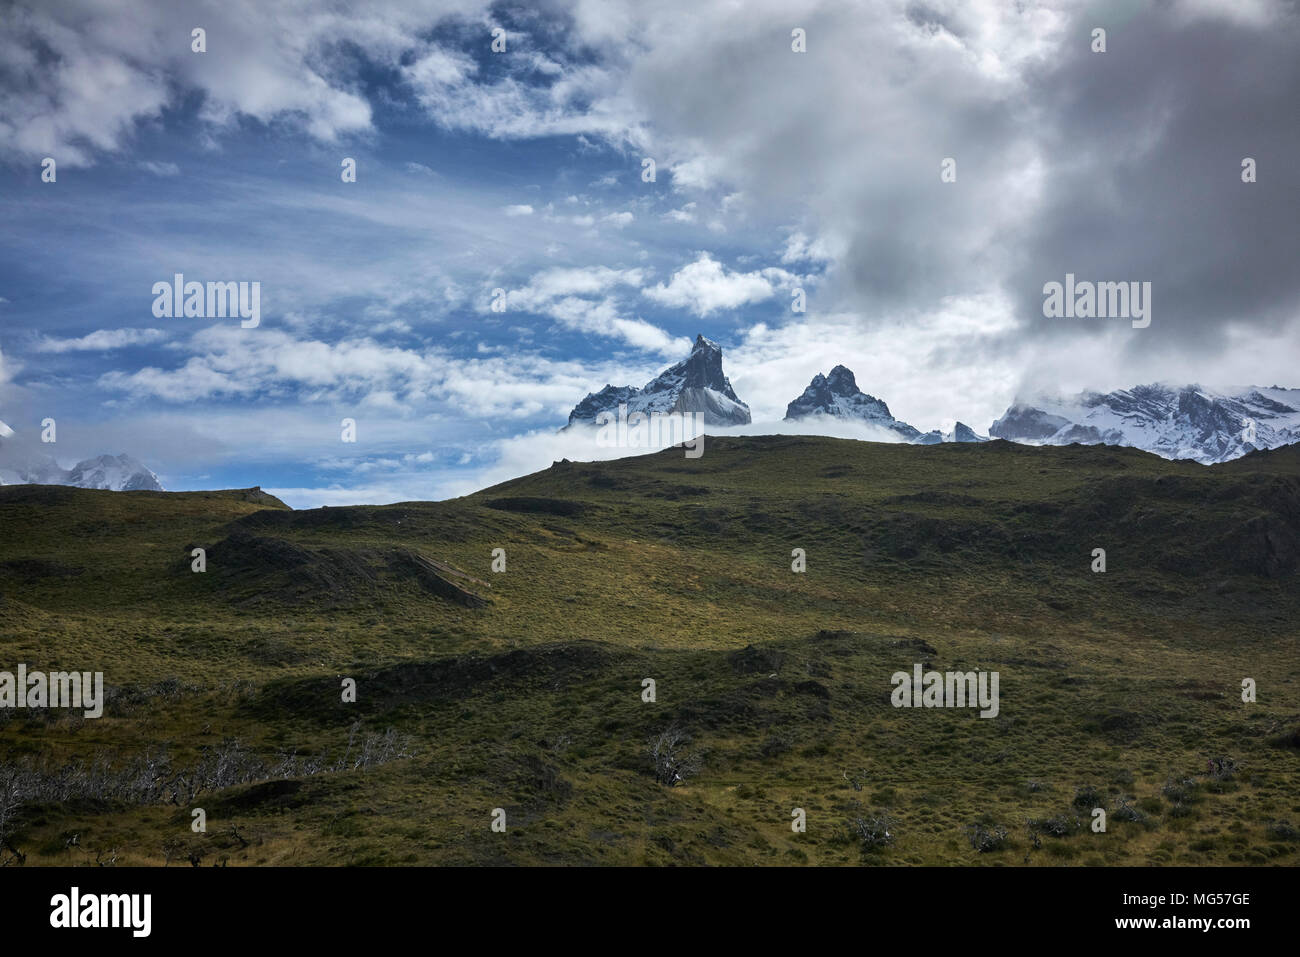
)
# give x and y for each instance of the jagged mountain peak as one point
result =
(120, 473)
(695, 385)
(961, 432)
(842, 381)
(837, 396)
(702, 369)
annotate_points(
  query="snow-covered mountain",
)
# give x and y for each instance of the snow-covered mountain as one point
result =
(696, 384)
(837, 396)
(25, 466)
(118, 473)
(961, 432)
(1178, 423)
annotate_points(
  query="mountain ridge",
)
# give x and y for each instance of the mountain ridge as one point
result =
(971, 556)
(695, 385)
(118, 473)
(1175, 422)
(837, 396)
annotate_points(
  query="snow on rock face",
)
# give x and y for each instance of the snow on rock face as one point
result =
(119, 473)
(837, 395)
(609, 397)
(961, 432)
(694, 385)
(1025, 423)
(1176, 423)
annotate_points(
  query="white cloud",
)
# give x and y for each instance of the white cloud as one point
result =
(699, 172)
(519, 210)
(799, 248)
(581, 97)
(587, 299)
(7, 369)
(773, 365)
(551, 284)
(836, 150)
(161, 169)
(112, 66)
(275, 366)
(706, 286)
(100, 340)
(684, 215)
(603, 318)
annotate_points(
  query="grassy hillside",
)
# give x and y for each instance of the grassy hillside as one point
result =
(522, 690)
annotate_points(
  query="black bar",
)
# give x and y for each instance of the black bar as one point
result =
(944, 906)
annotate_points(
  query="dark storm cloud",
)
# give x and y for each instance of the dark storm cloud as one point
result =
(1142, 147)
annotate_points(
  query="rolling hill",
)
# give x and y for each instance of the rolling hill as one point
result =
(522, 689)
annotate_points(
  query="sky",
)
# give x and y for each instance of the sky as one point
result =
(523, 171)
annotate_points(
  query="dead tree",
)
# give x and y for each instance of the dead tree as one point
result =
(11, 800)
(672, 763)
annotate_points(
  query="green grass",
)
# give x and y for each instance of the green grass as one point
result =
(966, 556)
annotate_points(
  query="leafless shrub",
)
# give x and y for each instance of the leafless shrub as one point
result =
(985, 838)
(285, 766)
(11, 799)
(1035, 837)
(1125, 811)
(1059, 825)
(1180, 792)
(1222, 768)
(671, 761)
(152, 778)
(171, 848)
(352, 738)
(238, 689)
(381, 748)
(858, 779)
(873, 831)
(1088, 796)
(129, 699)
(106, 858)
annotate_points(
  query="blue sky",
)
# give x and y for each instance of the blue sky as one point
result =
(522, 171)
